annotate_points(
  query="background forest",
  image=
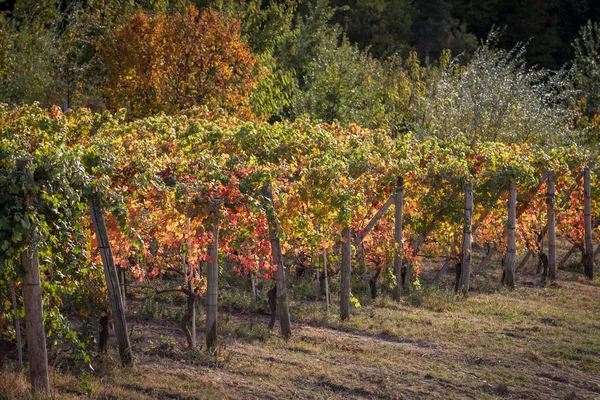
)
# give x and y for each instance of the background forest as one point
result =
(369, 62)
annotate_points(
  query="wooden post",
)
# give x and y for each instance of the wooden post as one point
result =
(465, 274)
(32, 298)
(566, 257)
(317, 290)
(326, 281)
(589, 246)
(122, 279)
(524, 260)
(374, 220)
(192, 272)
(509, 260)
(13, 297)
(550, 199)
(123, 288)
(112, 280)
(212, 279)
(346, 271)
(561, 205)
(282, 304)
(254, 292)
(399, 199)
(277, 256)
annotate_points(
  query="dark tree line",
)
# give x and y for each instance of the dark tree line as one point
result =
(429, 26)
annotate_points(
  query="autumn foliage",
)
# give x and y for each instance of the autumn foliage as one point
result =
(158, 63)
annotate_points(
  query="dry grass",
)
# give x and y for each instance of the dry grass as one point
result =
(532, 343)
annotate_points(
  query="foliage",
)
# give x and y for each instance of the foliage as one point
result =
(585, 75)
(383, 27)
(159, 63)
(586, 71)
(496, 97)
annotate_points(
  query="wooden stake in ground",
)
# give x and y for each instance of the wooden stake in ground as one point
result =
(465, 274)
(212, 279)
(566, 257)
(399, 200)
(550, 198)
(277, 255)
(191, 271)
(112, 280)
(122, 279)
(587, 211)
(563, 203)
(508, 276)
(346, 271)
(13, 298)
(326, 280)
(32, 300)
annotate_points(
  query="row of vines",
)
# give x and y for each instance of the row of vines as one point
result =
(183, 194)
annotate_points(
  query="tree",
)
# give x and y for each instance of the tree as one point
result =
(497, 97)
(382, 26)
(586, 66)
(434, 30)
(156, 63)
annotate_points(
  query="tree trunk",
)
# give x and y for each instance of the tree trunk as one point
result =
(272, 296)
(212, 281)
(550, 198)
(398, 256)
(187, 317)
(486, 259)
(277, 255)
(508, 277)
(465, 275)
(346, 271)
(32, 300)
(13, 297)
(103, 334)
(542, 268)
(588, 265)
(112, 281)
(373, 283)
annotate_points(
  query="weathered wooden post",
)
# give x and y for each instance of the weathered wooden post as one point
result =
(212, 278)
(122, 278)
(112, 280)
(465, 272)
(550, 199)
(398, 257)
(509, 260)
(587, 211)
(192, 272)
(346, 271)
(326, 280)
(13, 298)
(277, 255)
(32, 298)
